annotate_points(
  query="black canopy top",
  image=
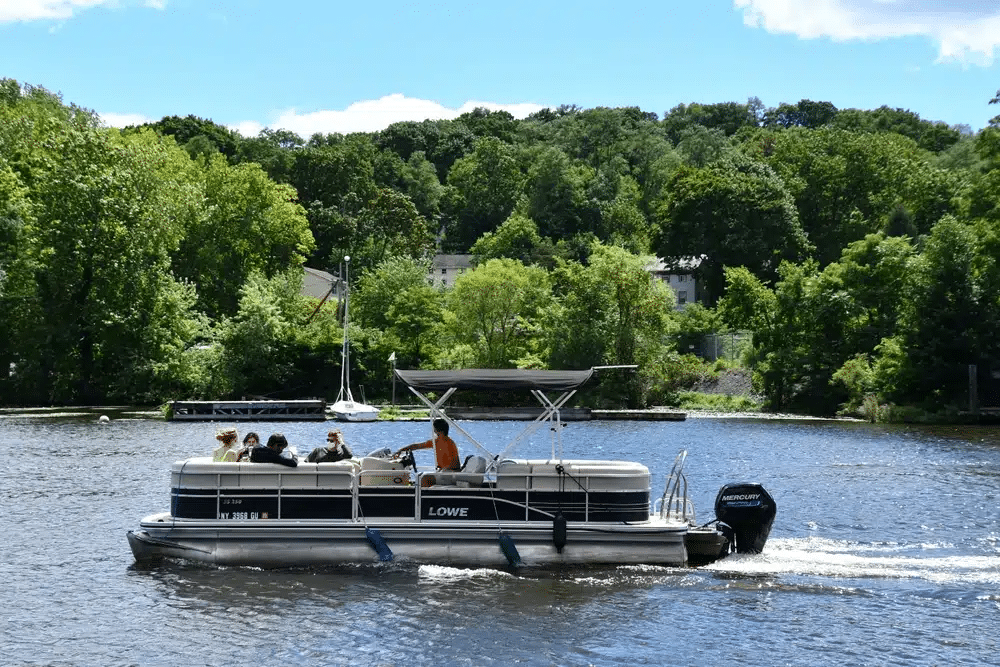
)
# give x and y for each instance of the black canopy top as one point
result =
(494, 379)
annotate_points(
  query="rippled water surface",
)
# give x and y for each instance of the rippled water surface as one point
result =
(885, 551)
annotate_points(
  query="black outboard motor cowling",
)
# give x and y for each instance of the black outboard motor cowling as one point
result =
(749, 510)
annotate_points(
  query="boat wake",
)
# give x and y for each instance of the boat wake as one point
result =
(814, 556)
(445, 574)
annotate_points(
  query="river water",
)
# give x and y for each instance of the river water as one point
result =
(885, 551)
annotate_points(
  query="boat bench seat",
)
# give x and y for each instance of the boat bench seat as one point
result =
(203, 473)
(472, 473)
(542, 475)
(378, 471)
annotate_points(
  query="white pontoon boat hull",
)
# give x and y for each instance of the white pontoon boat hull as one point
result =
(286, 544)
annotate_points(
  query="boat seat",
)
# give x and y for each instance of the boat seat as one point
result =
(472, 473)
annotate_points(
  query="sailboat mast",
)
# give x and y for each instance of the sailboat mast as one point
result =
(345, 361)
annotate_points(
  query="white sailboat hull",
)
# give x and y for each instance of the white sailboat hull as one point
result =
(352, 411)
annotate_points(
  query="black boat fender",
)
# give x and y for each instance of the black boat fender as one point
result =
(559, 531)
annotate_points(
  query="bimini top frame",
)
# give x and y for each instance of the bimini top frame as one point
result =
(537, 382)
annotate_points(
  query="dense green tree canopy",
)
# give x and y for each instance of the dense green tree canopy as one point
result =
(737, 212)
(858, 247)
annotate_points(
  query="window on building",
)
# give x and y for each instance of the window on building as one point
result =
(682, 297)
(444, 272)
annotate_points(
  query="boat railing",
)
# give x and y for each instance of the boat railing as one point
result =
(675, 502)
(238, 489)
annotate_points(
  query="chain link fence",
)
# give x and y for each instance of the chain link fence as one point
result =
(730, 346)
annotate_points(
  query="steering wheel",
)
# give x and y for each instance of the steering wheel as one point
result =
(409, 461)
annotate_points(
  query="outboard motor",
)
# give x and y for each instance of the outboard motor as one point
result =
(748, 509)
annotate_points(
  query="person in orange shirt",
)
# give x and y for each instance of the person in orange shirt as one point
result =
(445, 451)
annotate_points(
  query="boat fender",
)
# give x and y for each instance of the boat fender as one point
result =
(509, 550)
(378, 544)
(559, 531)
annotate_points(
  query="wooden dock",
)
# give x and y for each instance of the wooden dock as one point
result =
(566, 414)
(639, 415)
(306, 410)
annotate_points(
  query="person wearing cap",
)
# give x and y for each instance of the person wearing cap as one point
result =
(225, 452)
(336, 449)
(272, 452)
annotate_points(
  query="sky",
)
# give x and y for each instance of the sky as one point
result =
(328, 66)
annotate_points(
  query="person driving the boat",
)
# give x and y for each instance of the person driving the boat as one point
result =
(225, 452)
(336, 449)
(445, 451)
(272, 452)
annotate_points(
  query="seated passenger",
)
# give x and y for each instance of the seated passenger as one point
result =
(250, 440)
(445, 451)
(272, 452)
(225, 452)
(336, 450)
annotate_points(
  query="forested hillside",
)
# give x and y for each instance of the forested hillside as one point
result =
(859, 246)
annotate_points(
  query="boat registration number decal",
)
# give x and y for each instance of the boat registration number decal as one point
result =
(243, 515)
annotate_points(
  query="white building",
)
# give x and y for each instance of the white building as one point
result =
(445, 269)
(680, 280)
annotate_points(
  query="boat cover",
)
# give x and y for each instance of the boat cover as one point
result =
(491, 379)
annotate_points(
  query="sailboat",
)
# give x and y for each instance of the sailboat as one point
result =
(346, 409)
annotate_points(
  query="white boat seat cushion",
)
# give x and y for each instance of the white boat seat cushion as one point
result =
(472, 473)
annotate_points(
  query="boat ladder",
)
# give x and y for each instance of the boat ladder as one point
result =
(675, 503)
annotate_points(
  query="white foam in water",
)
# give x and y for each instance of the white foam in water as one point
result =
(833, 558)
(441, 573)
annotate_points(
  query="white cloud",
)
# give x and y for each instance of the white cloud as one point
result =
(36, 10)
(374, 115)
(965, 31)
(123, 119)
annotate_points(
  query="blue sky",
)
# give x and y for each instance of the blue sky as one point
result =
(327, 66)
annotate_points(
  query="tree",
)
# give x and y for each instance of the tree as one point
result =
(727, 117)
(197, 135)
(496, 310)
(488, 184)
(517, 238)
(443, 142)
(847, 184)
(701, 146)
(390, 225)
(947, 323)
(258, 341)
(805, 113)
(250, 224)
(401, 313)
(612, 312)
(736, 212)
(557, 195)
(101, 317)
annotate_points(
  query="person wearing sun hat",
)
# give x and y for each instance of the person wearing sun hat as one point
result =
(225, 452)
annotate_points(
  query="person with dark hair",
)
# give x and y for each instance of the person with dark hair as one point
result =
(250, 440)
(272, 452)
(445, 451)
(336, 449)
